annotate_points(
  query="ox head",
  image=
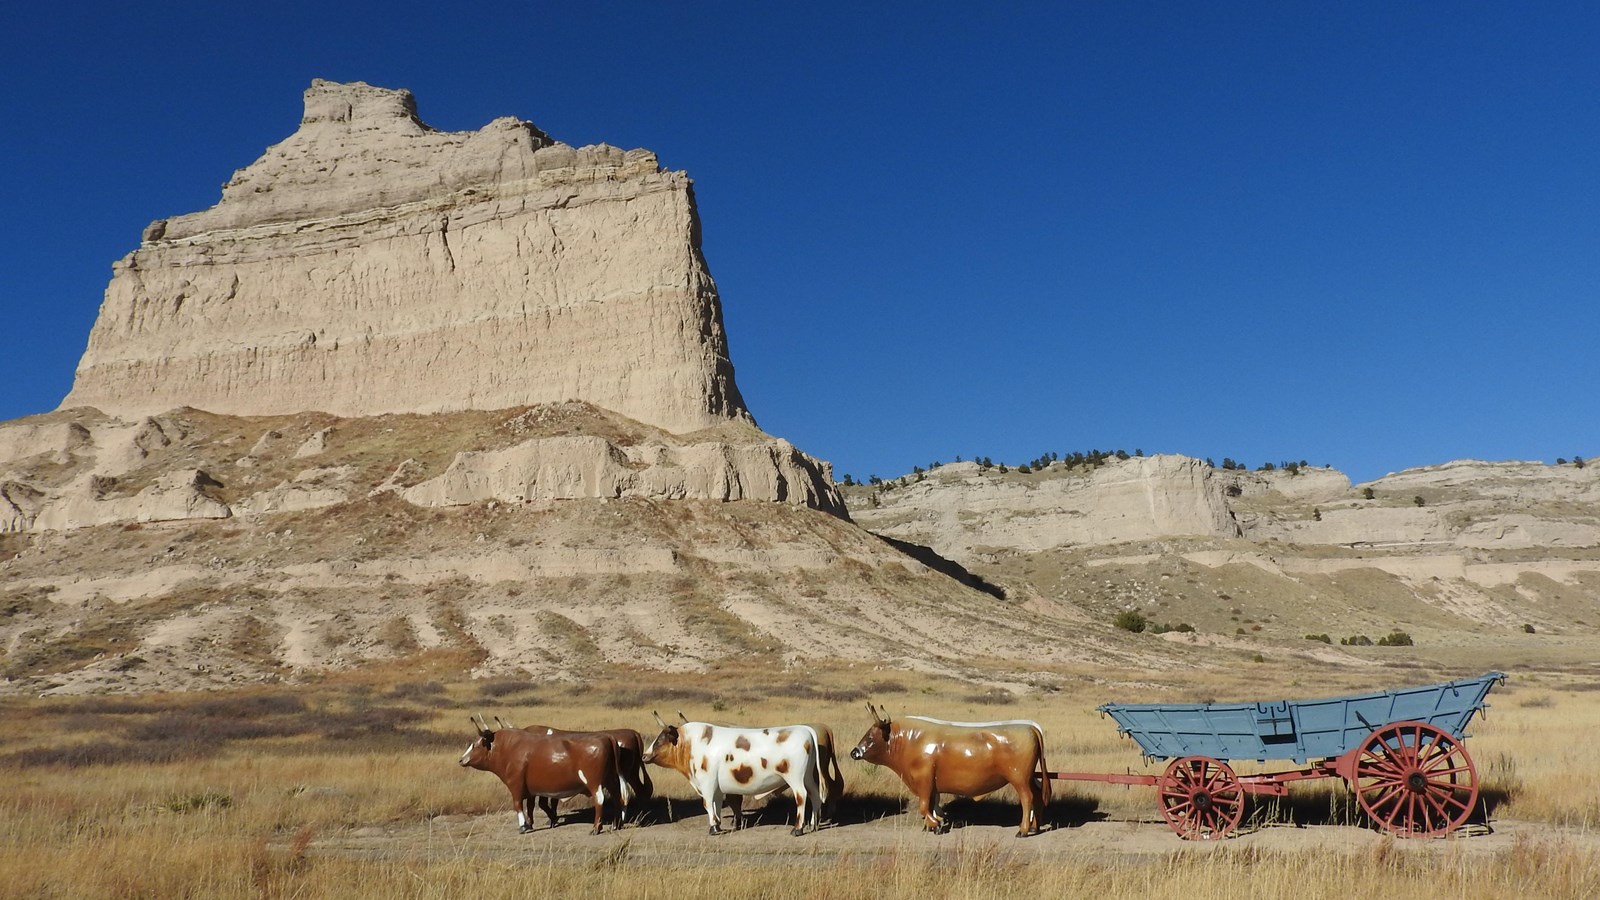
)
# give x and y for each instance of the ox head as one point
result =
(477, 755)
(874, 745)
(664, 743)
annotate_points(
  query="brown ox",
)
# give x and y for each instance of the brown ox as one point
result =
(967, 759)
(548, 766)
(827, 764)
(638, 789)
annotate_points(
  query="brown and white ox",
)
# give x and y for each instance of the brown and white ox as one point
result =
(637, 789)
(827, 766)
(720, 760)
(967, 759)
(535, 766)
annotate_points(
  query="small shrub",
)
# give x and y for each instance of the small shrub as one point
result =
(1128, 620)
(1395, 639)
(1367, 493)
(503, 688)
(1357, 640)
(1326, 639)
(991, 697)
(1527, 628)
(1418, 500)
(196, 802)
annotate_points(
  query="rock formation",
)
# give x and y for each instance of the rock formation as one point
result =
(961, 508)
(1465, 505)
(370, 264)
(79, 469)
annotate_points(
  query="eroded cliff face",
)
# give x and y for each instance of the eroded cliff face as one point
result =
(961, 510)
(79, 469)
(370, 264)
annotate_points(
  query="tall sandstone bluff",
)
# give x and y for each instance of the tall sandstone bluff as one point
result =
(371, 264)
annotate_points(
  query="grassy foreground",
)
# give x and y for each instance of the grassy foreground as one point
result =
(231, 795)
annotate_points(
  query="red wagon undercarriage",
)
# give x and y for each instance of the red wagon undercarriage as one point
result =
(1411, 778)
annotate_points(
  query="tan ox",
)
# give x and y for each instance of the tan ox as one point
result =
(967, 759)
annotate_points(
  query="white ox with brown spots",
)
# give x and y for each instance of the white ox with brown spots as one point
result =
(720, 760)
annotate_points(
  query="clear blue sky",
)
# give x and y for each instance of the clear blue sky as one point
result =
(1365, 234)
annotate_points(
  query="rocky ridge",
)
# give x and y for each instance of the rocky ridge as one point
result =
(1461, 548)
(81, 469)
(371, 264)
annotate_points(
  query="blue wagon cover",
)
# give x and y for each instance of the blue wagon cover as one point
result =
(1298, 730)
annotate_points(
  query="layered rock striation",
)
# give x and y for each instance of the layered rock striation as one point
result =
(371, 264)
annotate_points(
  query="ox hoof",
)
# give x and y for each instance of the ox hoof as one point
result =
(525, 829)
(797, 831)
(715, 830)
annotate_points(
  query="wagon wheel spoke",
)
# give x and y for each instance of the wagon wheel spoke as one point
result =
(1415, 780)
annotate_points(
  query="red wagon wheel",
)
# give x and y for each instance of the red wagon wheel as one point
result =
(1201, 798)
(1415, 780)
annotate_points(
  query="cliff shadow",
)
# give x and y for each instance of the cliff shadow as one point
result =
(928, 557)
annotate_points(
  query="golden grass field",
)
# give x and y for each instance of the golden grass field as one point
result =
(271, 793)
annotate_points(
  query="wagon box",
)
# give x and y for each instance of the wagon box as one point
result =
(1298, 730)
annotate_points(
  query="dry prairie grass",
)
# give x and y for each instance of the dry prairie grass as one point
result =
(263, 784)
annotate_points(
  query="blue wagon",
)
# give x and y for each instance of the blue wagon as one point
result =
(1400, 751)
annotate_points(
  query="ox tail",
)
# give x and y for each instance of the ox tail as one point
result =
(1044, 770)
(624, 792)
(822, 784)
(647, 788)
(833, 777)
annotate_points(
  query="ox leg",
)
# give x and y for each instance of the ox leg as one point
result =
(600, 801)
(735, 803)
(929, 805)
(524, 808)
(713, 797)
(802, 806)
(548, 805)
(1030, 812)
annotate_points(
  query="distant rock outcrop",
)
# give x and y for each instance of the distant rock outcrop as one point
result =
(1465, 505)
(370, 264)
(960, 508)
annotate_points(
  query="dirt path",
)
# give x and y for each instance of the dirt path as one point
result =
(685, 840)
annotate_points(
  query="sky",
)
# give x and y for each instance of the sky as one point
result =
(1363, 234)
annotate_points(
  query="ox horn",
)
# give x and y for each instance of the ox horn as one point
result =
(683, 717)
(503, 724)
(874, 710)
(658, 720)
